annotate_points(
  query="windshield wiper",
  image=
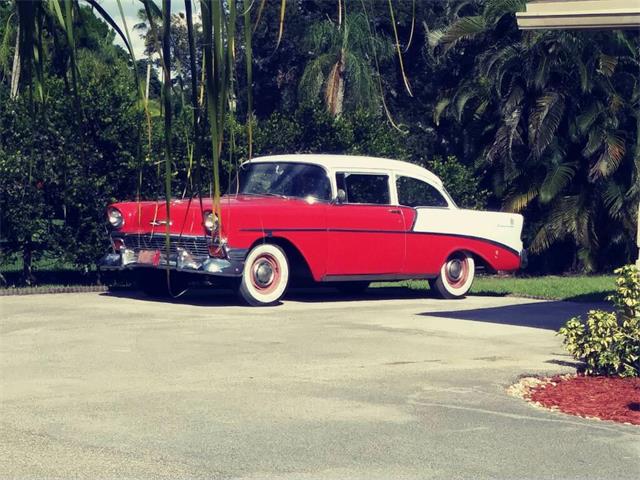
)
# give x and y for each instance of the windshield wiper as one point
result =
(265, 194)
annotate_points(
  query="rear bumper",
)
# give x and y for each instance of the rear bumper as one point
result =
(524, 258)
(231, 266)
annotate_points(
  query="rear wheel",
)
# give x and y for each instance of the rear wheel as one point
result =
(456, 276)
(265, 276)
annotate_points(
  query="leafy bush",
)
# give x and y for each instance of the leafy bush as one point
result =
(311, 129)
(609, 342)
(460, 181)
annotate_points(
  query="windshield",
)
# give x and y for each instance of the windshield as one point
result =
(285, 179)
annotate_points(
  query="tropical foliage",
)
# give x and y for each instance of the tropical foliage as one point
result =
(559, 114)
(542, 123)
(344, 59)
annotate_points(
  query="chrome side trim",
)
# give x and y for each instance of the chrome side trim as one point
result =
(376, 277)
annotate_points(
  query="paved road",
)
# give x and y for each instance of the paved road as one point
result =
(389, 386)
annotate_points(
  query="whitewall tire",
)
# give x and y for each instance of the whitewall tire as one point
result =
(265, 275)
(456, 276)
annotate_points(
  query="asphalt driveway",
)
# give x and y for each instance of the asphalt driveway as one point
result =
(387, 386)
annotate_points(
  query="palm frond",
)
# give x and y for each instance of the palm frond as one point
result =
(556, 180)
(560, 224)
(595, 141)
(545, 120)
(607, 64)
(518, 202)
(614, 199)
(439, 109)
(462, 29)
(610, 158)
(586, 119)
(496, 9)
(462, 97)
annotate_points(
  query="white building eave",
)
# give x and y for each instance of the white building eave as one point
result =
(569, 14)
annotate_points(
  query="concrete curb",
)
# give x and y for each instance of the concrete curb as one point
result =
(5, 292)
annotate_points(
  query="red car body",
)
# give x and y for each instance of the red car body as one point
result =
(329, 239)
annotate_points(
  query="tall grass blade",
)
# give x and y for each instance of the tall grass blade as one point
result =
(373, 35)
(249, 67)
(197, 137)
(260, 9)
(211, 84)
(166, 90)
(413, 26)
(405, 79)
(283, 8)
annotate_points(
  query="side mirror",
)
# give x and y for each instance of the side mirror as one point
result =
(341, 197)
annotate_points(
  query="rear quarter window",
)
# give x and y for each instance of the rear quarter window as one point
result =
(416, 193)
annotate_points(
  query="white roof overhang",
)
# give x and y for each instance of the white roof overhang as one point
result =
(570, 14)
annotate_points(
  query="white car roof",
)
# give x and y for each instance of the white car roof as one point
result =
(355, 162)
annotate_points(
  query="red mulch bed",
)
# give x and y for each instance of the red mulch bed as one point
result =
(606, 398)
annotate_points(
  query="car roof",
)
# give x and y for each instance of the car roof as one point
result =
(354, 162)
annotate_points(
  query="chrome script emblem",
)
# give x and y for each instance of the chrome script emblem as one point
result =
(157, 223)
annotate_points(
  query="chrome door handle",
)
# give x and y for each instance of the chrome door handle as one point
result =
(395, 210)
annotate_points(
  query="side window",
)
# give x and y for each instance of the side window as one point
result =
(416, 193)
(364, 188)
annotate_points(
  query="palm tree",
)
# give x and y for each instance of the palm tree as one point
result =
(36, 19)
(343, 65)
(561, 109)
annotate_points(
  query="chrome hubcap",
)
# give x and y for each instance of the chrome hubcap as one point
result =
(454, 270)
(263, 273)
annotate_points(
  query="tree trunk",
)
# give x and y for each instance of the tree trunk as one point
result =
(334, 92)
(340, 93)
(15, 70)
(27, 264)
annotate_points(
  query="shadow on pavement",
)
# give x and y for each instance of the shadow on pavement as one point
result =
(548, 315)
(222, 297)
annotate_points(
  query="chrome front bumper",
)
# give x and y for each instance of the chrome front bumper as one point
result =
(181, 261)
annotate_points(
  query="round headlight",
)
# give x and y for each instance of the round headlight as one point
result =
(210, 222)
(115, 218)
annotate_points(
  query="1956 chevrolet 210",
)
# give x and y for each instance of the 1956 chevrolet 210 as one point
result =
(338, 219)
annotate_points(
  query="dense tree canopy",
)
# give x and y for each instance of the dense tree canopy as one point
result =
(543, 123)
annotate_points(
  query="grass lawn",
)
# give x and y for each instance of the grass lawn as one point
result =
(576, 288)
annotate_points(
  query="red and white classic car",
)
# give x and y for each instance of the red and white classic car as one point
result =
(338, 219)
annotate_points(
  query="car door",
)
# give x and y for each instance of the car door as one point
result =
(366, 233)
(425, 250)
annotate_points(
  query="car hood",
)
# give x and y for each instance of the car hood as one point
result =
(186, 215)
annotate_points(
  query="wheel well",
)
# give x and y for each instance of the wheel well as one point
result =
(298, 266)
(481, 263)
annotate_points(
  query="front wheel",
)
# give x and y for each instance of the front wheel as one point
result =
(456, 276)
(265, 275)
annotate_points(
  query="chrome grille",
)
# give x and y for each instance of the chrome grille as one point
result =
(197, 246)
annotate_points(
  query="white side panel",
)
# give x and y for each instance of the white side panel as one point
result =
(504, 228)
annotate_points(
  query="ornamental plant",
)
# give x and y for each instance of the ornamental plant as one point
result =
(609, 342)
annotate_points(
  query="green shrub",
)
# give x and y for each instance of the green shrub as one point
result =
(460, 181)
(609, 342)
